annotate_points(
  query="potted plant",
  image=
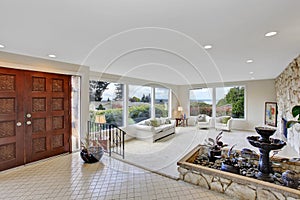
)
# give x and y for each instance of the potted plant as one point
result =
(91, 151)
(295, 113)
(215, 147)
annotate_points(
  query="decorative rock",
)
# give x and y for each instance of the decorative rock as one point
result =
(181, 177)
(240, 191)
(216, 185)
(265, 194)
(203, 182)
(192, 178)
(291, 198)
(182, 170)
(225, 180)
(279, 195)
(209, 178)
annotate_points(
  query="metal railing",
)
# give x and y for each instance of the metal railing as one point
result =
(109, 136)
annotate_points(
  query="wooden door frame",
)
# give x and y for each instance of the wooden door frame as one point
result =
(20, 112)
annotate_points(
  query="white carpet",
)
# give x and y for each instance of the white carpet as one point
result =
(162, 156)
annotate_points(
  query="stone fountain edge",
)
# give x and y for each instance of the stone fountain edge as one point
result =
(184, 163)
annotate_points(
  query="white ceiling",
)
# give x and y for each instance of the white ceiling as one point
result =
(158, 40)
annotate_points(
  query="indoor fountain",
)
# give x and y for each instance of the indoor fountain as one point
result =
(265, 144)
(235, 172)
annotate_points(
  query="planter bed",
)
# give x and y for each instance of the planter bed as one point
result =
(235, 185)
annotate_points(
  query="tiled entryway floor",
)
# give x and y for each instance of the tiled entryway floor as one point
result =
(67, 177)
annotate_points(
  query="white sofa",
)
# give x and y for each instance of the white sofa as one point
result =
(145, 131)
(221, 125)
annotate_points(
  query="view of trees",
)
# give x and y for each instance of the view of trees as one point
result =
(112, 108)
(96, 89)
(232, 103)
(201, 101)
(200, 108)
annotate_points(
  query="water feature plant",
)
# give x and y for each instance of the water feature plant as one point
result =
(215, 147)
(295, 113)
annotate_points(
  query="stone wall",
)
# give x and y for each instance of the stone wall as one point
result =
(243, 189)
(287, 86)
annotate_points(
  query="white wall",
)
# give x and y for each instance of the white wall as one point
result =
(257, 93)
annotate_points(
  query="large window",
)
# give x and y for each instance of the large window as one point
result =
(161, 102)
(139, 103)
(107, 99)
(201, 101)
(230, 101)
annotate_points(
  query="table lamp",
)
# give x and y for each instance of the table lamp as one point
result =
(180, 109)
(100, 119)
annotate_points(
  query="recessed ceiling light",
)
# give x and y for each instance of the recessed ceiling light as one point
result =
(270, 34)
(251, 72)
(208, 46)
(252, 78)
(52, 56)
(2, 46)
(249, 61)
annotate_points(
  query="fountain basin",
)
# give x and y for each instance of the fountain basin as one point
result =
(265, 133)
(234, 185)
(273, 144)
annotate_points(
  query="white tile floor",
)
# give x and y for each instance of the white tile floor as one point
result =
(67, 177)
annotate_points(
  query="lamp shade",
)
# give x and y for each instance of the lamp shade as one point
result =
(100, 119)
(180, 108)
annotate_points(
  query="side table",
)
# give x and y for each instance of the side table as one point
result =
(181, 121)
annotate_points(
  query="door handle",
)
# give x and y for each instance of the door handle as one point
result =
(19, 124)
(28, 123)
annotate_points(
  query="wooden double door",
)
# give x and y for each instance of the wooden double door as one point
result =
(34, 116)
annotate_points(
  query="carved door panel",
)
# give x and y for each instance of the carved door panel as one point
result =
(34, 116)
(47, 118)
(11, 114)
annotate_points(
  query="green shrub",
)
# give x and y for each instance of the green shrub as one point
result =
(137, 113)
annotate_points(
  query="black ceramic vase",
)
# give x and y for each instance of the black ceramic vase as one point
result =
(92, 155)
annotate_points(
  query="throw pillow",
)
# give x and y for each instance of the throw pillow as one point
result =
(147, 123)
(154, 123)
(162, 120)
(201, 118)
(225, 120)
(168, 121)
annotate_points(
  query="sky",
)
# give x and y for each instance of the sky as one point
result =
(206, 93)
(136, 90)
(162, 93)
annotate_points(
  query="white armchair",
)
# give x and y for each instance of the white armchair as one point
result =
(203, 121)
(224, 123)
